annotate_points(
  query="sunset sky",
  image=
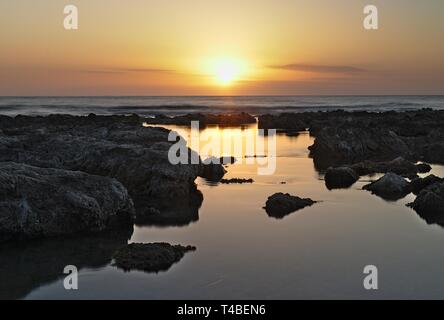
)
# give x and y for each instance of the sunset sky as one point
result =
(230, 47)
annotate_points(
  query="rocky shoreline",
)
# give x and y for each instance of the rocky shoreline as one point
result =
(66, 175)
(84, 171)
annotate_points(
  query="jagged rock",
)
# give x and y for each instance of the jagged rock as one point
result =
(279, 204)
(39, 202)
(337, 146)
(390, 187)
(421, 183)
(149, 257)
(429, 204)
(340, 177)
(113, 146)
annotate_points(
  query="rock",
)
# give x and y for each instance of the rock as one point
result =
(423, 167)
(228, 160)
(227, 119)
(279, 204)
(212, 170)
(40, 203)
(112, 146)
(149, 257)
(399, 166)
(338, 146)
(429, 204)
(292, 122)
(340, 177)
(421, 183)
(236, 180)
(390, 187)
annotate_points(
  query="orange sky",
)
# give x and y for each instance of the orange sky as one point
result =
(175, 47)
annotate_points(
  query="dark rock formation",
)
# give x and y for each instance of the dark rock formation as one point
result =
(229, 119)
(389, 187)
(349, 137)
(39, 202)
(340, 177)
(418, 184)
(399, 166)
(337, 146)
(279, 204)
(150, 257)
(429, 204)
(236, 180)
(287, 121)
(423, 167)
(113, 146)
(212, 170)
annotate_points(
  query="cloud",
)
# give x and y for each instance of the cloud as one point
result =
(129, 70)
(316, 68)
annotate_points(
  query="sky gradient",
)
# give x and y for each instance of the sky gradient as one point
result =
(284, 47)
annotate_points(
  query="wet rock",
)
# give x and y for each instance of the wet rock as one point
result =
(390, 187)
(279, 204)
(340, 177)
(40, 203)
(423, 167)
(429, 204)
(399, 166)
(212, 170)
(112, 146)
(149, 257)
(338, 146)
(421, 183)
(236, 180)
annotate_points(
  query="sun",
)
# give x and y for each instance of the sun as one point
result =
(226, 70)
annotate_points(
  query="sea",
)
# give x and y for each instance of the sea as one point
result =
(149, 106)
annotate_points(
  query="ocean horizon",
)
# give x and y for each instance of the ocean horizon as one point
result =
(178, 105)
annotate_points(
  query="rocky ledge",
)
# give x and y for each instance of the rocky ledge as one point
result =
(39, 202)
(149, 257)
(116, 147)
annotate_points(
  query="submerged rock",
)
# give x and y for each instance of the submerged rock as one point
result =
(279, 204)
(236, 180)
(390, 187)
(429, 203)
(40, 203)
(340, 177)
(149, 257)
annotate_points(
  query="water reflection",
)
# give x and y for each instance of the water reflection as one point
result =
(27, 266)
